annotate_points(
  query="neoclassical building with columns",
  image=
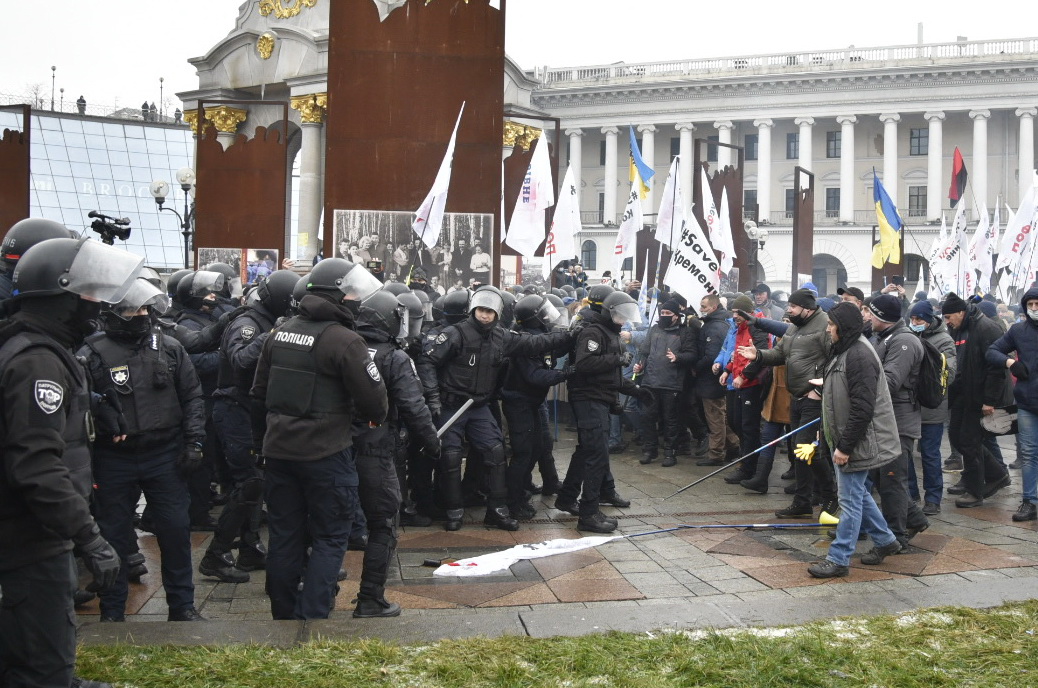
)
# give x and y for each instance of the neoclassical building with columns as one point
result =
(900, 110)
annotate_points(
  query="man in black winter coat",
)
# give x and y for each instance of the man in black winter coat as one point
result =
(716, 323)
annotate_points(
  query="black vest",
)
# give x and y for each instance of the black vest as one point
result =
(295, 387)
(230, 377)
(516, 382)
(79, 424)
(143, 375)
(473, 372)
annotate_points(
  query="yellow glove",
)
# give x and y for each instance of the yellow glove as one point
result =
(805, 452)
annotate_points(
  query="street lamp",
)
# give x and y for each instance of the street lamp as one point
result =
(53, 76)
(62, 108)
(757, 237)
(160, 190)
(162, 107)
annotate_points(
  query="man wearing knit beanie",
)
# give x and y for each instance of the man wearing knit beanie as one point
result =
(804, 298)
(978, 388)
(901, 355)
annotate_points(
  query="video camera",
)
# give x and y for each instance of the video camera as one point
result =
(110, 228)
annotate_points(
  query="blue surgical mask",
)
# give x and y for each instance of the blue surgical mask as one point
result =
(917, 328)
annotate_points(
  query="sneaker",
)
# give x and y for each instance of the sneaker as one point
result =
(615, 500)
(569, 507)
(912, 531)
(222, 566)
(831, 507)
(1016, 465)
(991, 488)
(795, 511)
(953, 464)
(375, 609)
(969, 501)
(931, 509)
(876, 555)
(185, 614)
(827, 569)
(1026, 512)
(958, 488)
(596, 523)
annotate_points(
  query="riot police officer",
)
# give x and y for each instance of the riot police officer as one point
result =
(153, 450)
(313, 378)
(23, 235)
(466, 359)
(232, 406)
(383, 322)
(594, 385)
(45, 482)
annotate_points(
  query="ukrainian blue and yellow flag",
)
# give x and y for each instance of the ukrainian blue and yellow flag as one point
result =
(639, 170)
(888, 250)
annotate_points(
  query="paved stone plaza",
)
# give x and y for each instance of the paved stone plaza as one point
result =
(688, 578)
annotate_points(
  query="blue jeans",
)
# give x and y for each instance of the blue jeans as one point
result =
(858, 513)
(1027, 446)
(933, 475)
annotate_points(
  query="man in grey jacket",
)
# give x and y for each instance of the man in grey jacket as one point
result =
(901, 353)
(803, 350)
(859, 427)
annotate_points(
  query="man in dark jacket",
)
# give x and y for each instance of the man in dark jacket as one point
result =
(314, 376)
(1022, 338)
(762, 302)
(716, 323)
(979, 388)
(664, 357)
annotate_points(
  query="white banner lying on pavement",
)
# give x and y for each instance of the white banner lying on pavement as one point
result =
(486, 564)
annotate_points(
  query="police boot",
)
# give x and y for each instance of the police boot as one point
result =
(448, 478)
(252, 556)
(377, 558)
(670, 457)
(221, 565)
(498, 517)
(453, 521)
(549, 476)
(135, 567)
(375, 608)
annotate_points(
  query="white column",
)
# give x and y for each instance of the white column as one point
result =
(648, 132)
(575, 160)
(890, 181)
(310, 188)
(724, 135)
(685, 130)
(979, 177)
(763, 168)
(1026, 167)
(848, 180)
(934, 166)
(806, 125)
(610, 174)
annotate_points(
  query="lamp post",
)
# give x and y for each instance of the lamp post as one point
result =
(756, 236)
(160, 190)
(61, 108)
(53, 77)
(162, 106)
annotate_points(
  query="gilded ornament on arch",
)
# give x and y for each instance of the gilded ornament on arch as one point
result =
(284, 9)
(512, 132)
(226, 119)
(265, 45)
(529, 135)
(191, 117)
(312, 108)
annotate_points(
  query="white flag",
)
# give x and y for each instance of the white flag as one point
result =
(727, 246)
(693, 268)
(1017, 236)
(429, 216)
(993, 242)
(562, 239)
(526, 231)
(486, 564)
(627, 235)
(719, 238)
(387, 6)
(980, 257)
(672, 213)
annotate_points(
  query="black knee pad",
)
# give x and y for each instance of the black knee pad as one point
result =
(494, 456)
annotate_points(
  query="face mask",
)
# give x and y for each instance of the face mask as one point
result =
(87, 316)
(1033, 315)
(351, 306)
(135, 327)
(917, 328)
(797, 320)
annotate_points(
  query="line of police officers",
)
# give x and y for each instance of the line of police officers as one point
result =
(306, 397)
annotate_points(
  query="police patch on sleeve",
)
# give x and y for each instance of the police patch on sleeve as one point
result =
(120, 374)
(373, 372)
(49, 396)
(248, 332)
(441, 338)
(592, 345)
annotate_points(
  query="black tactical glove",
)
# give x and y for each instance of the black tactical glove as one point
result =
(751, 319)
(190, 460)
(626, 358)
(1019, 370)
(109, 415)
(431, 446)
(101, 561)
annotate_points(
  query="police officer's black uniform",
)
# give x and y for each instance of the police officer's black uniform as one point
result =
(313, 378)
(161, 398)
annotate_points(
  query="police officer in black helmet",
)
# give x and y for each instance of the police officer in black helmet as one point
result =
(466, 359)
(45, 480)
(154, 446)
(384, 321)
(232, 406)
(313, 379)
(23, 235)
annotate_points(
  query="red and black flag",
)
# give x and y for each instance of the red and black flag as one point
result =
(959, 177)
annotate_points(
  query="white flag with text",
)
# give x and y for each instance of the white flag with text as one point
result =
(562, 239)
(526, 231)
(627, 235)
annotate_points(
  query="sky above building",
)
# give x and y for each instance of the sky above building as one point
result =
(116, 51)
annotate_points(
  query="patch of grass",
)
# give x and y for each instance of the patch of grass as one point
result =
(937, 648)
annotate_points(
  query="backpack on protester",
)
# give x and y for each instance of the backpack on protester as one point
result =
(934, 376)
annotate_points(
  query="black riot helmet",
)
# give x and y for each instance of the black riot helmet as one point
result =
(563, 319)
(622, 308)
(142, 293)
(152, 275)
(173, 281)
(27, 233)
(397, 288)
(232, 286)
(427, 306)
(79, 266)
(383, 311)
(508, 313)
(456, 306)
(275, 292)
(558, 292)
(437, 309)
(535, 310)
(415, 313)
(488, 296)
(597, 294)
(299, 291)
(192, 289)
(567, 290)
(340, 275)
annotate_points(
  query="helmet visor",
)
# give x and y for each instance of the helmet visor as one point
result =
(358, 284)
(142, 293)
(103, 272)
(205, 282)
(487, 299)
(548, 313)
(414, 324)
(626, 313)
(405, 322)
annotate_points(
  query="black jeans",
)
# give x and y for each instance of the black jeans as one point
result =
(744, 418)
(819, 474)
(891, 481)
(979, 465)
(662, 421)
